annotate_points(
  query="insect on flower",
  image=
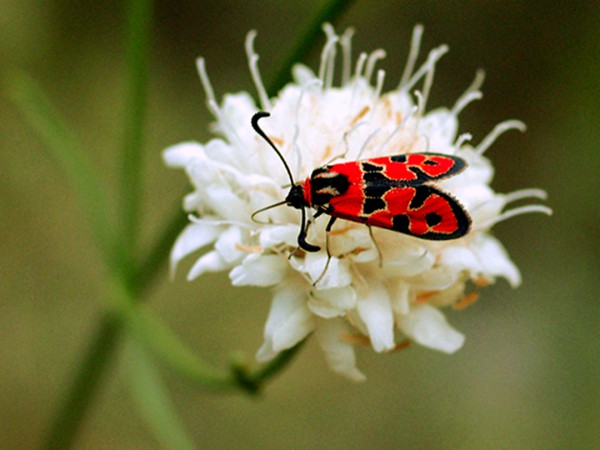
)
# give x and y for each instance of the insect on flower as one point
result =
(391, 192)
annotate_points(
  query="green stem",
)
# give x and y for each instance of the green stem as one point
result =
(330, 12)
(90, 374)
(150, 266)
(138, 30)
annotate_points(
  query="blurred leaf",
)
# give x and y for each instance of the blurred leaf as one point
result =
(66, 152)
(154, 402)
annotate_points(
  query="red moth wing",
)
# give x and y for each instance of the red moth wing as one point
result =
(417, 168)
(390, 192)
(421, 211)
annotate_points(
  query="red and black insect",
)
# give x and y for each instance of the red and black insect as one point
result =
(391, 192)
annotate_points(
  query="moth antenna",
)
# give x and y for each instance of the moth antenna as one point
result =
(274, 205)
(255, 118)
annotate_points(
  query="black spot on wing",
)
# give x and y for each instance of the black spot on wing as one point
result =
(368, 167)
(377, 190)
(375, 178)
(398, 158)
(433, 219)
(400, 223)
(421, 194)
(372, 205)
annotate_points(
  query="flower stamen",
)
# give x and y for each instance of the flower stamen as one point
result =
(328, 56)
(249, 248)
(464, 137)
(515, 212)
(471, 94)
(208, 90)
(525, 193)
(433, 57)
(253, 63)
(466, 301)
(373, 58)
(499, 129)
(415, 45)
(346, 43)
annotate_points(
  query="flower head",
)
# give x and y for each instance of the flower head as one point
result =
(363, 296)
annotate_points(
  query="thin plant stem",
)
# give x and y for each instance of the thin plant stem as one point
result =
(330, 12)
(92, 371)
(139, 16)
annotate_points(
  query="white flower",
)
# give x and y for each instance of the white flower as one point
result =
(361, 297)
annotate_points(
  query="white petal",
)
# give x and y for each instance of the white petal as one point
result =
(182, 154)
(192, 238)
(440, 127)
(437, 278)
(219, 150)
(210, 262)
(375, 310)
(218, 194)
(289, 320)
(221, 200)
(495, 260)
(329, 303)
(302, 74)
(337, 274)
(339, 353)
(460, 258)
(282, 234)
(427, 326)
(400, 297)
(259, 270)
(408, 259)
(227, 244)
(193, 202)
(357, 243)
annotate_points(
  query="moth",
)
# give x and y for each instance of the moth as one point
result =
(391, 192)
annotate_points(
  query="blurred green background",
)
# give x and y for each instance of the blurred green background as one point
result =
(529, 373)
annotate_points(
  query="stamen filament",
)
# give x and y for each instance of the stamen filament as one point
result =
(326, 54)
(434, 57)
(378, 89)
(415, 45)
(515, 212)
(253, 64)
(346, 43)
(465, 137)
(208, 90)
(525, 193)
(462, 102)
(497, 131)
(373, 58)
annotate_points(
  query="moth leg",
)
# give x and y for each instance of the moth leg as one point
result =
(327, 230)
(376, 245)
